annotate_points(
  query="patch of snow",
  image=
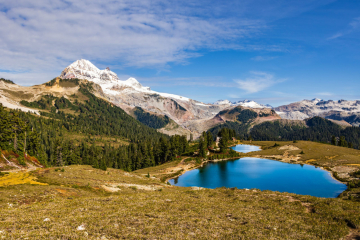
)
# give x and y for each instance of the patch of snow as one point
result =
(6, 102)
(244, 103)
(223, 102)
(109, 81)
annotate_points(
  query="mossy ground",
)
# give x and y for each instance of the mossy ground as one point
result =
(74, 197)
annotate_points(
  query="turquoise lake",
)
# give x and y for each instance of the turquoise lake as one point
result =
(263, 174)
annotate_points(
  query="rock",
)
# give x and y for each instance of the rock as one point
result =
(81, 227)
(168, 200)
(46, 219)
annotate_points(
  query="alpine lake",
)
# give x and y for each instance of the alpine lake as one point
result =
(263, 174)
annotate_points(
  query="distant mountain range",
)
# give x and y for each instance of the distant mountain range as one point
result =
(342, 110)
(244, 103)
(170, 113)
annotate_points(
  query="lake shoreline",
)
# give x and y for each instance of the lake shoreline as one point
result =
(331, 173)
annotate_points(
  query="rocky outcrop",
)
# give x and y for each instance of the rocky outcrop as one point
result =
(341, 110)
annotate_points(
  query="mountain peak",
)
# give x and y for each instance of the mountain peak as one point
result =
(316, 100)
(84, 69)
(84, 65)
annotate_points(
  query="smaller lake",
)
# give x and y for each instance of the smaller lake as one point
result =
(263, 174)
(246, 148)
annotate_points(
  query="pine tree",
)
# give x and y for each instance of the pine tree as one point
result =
(210, 139)
(223, 144)
(333, 140)
(202, 147)
(103, 165)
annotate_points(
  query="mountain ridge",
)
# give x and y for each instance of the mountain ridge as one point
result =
(339, 110)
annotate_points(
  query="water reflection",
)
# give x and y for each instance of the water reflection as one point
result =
(263, 174)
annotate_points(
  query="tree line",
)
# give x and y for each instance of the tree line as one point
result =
(50, 138)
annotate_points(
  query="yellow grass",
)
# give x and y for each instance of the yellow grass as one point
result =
(17, 178)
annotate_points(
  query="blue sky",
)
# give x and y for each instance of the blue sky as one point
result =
(273, 53)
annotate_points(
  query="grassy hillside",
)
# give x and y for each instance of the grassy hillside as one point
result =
(115, 204)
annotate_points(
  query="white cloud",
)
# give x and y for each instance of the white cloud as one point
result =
(326, 94)
(43, 34)
(258, 81)
(353, 25)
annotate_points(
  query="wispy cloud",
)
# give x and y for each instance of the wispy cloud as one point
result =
(325, 94)
(47, 35)
(262, 58)
(258, 81)
(353, 25)
(35, 34)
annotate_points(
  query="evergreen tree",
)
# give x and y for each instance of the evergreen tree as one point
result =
(202, 147)
(333, 140)
(210, 139)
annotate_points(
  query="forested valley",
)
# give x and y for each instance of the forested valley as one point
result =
(66, 134)
(314, 129)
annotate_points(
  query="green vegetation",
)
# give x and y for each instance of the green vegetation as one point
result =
(76, 197)
(246, 115)
(6, 81)
(241, 130)
(318, 129)
(17, 138)
(51, 138)
(151, 120)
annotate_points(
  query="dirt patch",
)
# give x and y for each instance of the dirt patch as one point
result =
(110, 187)
(286, 157)
(289, 148)
(353, 235)
(344, 171)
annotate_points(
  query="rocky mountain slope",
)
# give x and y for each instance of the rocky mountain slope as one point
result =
(244, 103)
(130, 93)
(186, 115)
(342, 110)
(238, 115)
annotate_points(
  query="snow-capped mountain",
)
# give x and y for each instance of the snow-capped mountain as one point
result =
(244, 103)
(108, 80)
(130, 93)
(348, 111)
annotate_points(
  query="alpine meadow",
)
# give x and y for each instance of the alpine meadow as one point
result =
(180, 120)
